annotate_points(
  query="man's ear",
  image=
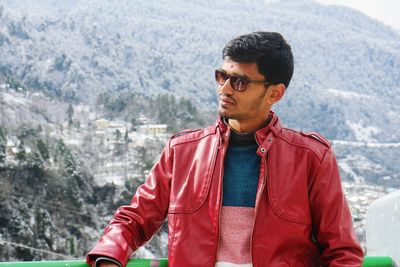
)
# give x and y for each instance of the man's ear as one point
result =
(275, 93)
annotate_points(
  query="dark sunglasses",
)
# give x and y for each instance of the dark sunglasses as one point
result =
(238, 83)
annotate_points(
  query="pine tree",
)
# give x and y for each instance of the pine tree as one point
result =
(2, 152)
(43, 150)
(118, 135)
(70, 113)
(21, 154)
(2, 145)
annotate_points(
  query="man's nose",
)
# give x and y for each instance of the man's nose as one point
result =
(226, 88)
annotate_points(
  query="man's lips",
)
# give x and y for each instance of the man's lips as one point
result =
(226, 100)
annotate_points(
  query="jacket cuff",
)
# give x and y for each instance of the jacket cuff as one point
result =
(99, 259)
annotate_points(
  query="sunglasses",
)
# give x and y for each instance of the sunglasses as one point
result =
(237, 82)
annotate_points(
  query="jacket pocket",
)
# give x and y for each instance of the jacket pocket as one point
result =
(192, 174)
(288, 194)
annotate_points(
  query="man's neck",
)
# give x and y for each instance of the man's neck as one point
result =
(248, 126)
(238, 127)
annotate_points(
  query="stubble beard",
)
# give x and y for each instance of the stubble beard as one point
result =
(242, 116)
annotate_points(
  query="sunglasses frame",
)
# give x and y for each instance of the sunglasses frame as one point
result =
(232, 82)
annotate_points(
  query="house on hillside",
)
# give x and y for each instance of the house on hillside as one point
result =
(101, 124)
(117, 125)
(153, 129)
(12, 149)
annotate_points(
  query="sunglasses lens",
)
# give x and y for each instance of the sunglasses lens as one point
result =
(238, 83)
(220, 77)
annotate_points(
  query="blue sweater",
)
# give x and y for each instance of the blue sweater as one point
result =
(240, 182)
(241, 170)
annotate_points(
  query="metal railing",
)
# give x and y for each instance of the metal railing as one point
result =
(82, 263)
(369, 261)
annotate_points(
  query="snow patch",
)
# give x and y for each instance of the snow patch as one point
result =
(347, 169)
(14, 99)
(364, 144)
(103, 178)
(363, 133)
(347, 94)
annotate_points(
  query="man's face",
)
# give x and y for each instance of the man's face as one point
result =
(243, 106)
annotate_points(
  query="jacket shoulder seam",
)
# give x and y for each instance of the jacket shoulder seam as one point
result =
(305, 146)
(176, 140)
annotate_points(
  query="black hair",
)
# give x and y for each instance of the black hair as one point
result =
(269, 50)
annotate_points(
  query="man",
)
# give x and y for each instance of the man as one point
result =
(246, 191)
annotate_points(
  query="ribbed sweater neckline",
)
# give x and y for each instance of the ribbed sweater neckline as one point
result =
(243, 139)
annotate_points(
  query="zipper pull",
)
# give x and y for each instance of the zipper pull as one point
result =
(219, 142)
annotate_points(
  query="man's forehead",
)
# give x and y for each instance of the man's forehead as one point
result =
(240, 68)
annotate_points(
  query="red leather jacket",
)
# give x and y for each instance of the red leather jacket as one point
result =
(302, 217)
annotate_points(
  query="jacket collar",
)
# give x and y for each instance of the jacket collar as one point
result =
(264, 137)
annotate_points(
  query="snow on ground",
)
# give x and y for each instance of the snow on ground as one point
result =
(115, 164)
(13, 99)
(104, 178)
(362, 132)
(366, 144)
(69, 137)
(72, 141)
(144, 253)
(345, 166)
(347, 94)
(356, 165)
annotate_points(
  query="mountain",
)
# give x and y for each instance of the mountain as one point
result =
(66, 64)
(346, 64)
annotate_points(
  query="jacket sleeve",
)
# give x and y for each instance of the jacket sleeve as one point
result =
(332, 222)
(135, 224)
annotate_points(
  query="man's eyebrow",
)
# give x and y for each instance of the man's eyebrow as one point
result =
(236, 74)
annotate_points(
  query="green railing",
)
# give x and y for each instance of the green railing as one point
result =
(369, 261)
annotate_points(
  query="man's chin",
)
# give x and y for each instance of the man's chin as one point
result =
(224, 113)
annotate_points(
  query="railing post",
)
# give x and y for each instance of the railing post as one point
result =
(383, 227)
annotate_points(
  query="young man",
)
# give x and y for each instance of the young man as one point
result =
(246, 191)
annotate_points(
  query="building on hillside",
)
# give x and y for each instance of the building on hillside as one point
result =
(153, 129)
(11, 147)
(101, 124)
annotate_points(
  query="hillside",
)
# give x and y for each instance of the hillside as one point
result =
(346, 65)
(81, 82)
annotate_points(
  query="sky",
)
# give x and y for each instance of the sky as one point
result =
(386, 11)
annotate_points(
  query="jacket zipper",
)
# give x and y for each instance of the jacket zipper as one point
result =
(222, 193)
(263, 182)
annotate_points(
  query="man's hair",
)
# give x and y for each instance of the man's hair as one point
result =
(269, 50)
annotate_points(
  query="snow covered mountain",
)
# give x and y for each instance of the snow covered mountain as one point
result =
(346, 83)
(346, 70)
(56, 53)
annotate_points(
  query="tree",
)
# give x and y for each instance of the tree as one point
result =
(43, 150)
(70, 113)
(44, 227)
(144, 162)
(2, 152)
(167, 110)
(2, 145)
(118, 135)
(35, 165)
(135, 122)
(27, 131)
(21, 154)
(21, 231)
